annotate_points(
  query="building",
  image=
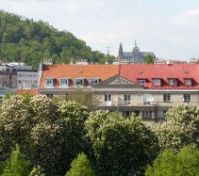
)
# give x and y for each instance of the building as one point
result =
(135, 56)
(148, 90)
(8, 78)
(59, 79)
(27, 79)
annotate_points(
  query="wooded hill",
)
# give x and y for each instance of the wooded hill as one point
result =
(29, 41)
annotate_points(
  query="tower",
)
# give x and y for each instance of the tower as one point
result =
(136, 48)
(120, 54)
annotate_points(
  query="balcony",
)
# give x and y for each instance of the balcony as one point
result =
(126, 103)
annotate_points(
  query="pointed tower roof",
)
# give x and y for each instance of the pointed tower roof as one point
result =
(136, 48)
(120, 50)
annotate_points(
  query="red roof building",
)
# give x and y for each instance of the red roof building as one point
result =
(72, 72)
(162, 76)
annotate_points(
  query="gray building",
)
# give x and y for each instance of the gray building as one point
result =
(135, 56)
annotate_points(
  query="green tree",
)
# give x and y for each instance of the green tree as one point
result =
(180, 128)
(149, 59)
(46, 131)
(80, 166)
(16, 165)
(170, 163)
(121, 146)
(25, 40)
(37, 171)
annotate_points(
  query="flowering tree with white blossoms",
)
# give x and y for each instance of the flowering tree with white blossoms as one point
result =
(180, 128)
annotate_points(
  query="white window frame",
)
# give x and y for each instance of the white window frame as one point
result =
(187, 98)
(147, 114)
(79, 79)
(172, 82)
(166, 97)
(188, 82)
(62, 80)
(157, 82)
(94, 81)
(127, 98)
(142, 82)
(107, 97)
(49, 82)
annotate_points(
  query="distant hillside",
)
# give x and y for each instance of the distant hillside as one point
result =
(24, 40)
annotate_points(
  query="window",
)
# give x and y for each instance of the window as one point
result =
(187, 98)
(107, 97)
(49, 95)
(147, 114)
(126, 113)
(79, 82)
(63, 83)
(157, 82)
(188, 82)
(141, 82)
(94, 81)
(173, 82)
(127, 99)
(49, 83)
(166, 97)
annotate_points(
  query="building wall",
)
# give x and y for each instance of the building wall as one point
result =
(138, 101)
(27, 79)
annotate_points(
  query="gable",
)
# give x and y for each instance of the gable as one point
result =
(117, 81)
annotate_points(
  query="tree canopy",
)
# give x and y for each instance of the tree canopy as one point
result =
(24, 40)
(149, 59)
(170, 163)
(122, 146)
(180, 128)
(16, 165)
(80, 166)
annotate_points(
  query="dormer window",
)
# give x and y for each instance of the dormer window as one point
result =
(49, 82)
(157, 82)
(172, 82)
(94, 81)
(79, 81)
(64, 82)
(141, 82)
(188, 82)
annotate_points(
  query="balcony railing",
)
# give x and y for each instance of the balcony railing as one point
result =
(141, 103)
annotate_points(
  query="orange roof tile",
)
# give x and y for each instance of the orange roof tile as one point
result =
(27, 92)
(58, 71)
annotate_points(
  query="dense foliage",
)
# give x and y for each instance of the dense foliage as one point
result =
(25, 40)
(45, 132)
(122, 146)
(16, 165)
(180, 128)
(80, 166)
(52, 133)
(149, 59)
(169, 163)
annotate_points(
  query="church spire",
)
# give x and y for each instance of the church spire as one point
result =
(136, 48)
(135, 44)
(120, 50)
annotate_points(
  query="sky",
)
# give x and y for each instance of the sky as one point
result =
(169, 28)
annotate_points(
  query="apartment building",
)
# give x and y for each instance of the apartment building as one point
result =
(27, 79)
(146, 90)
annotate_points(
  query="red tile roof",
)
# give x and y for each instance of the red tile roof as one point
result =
(133, 72)
(58, 71)
(27, 92)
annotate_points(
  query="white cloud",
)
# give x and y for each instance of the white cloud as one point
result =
(187, 19)
(103, 23)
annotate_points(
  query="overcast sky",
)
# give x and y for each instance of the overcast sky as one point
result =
(169, 28)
